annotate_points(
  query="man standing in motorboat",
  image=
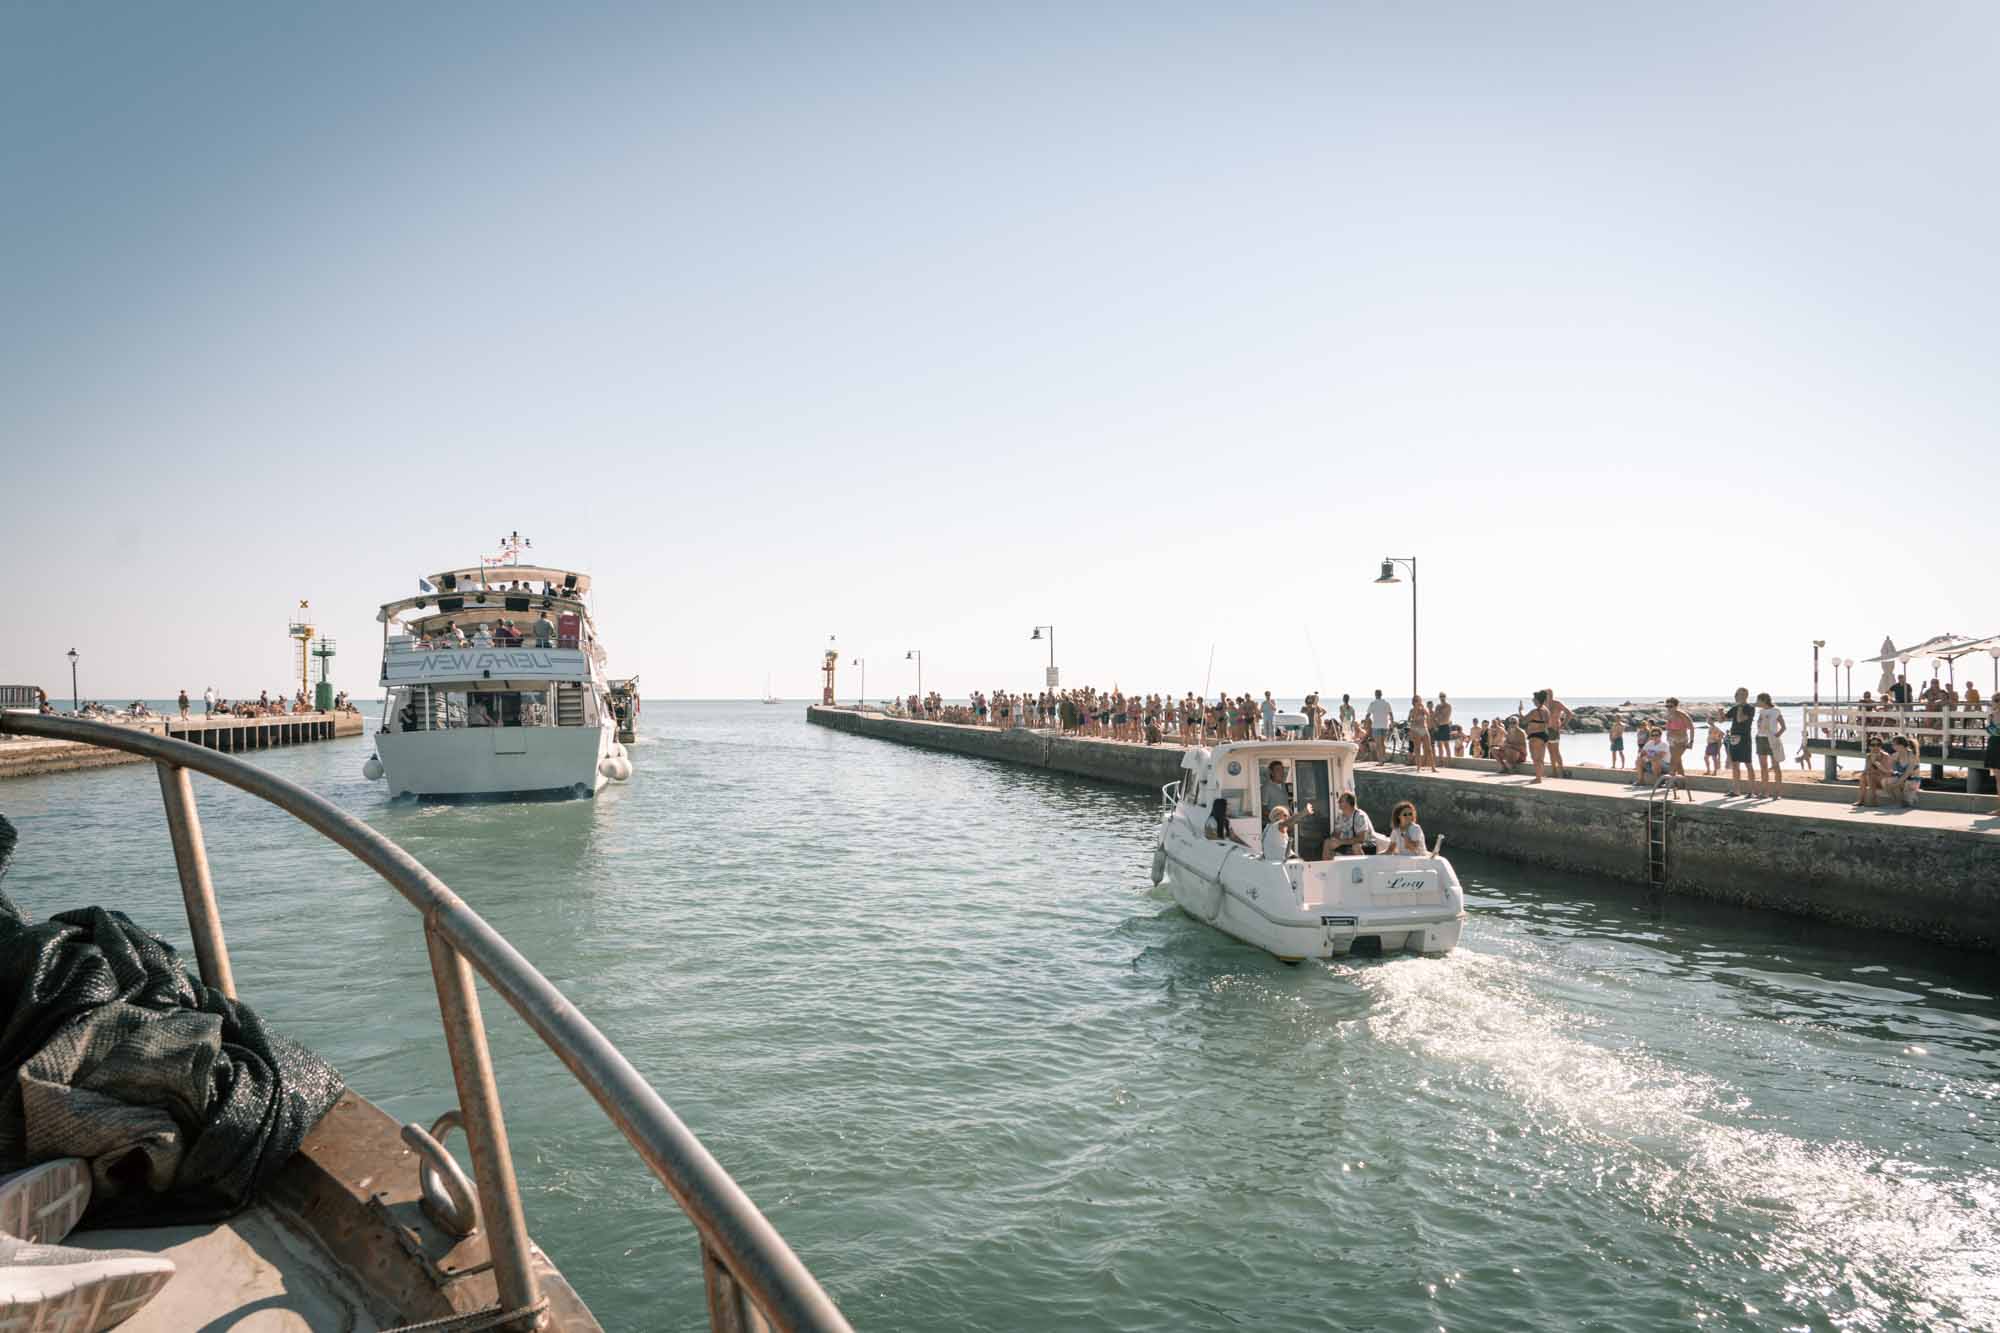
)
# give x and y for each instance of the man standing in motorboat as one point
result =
(1272, 794)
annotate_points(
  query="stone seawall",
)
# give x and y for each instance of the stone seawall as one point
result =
(1929, 874)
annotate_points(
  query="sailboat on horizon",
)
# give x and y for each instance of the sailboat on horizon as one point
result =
(769, 697)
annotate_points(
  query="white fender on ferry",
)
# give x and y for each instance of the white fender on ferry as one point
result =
(372, 770)
(616, 767)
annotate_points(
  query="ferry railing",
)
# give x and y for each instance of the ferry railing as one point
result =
(752, 1279)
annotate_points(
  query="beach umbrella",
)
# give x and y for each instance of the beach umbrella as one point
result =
(1950, 654)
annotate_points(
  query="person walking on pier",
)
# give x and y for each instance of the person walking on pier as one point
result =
(1559, 714)
(184, 705)
(1419, 722)
(1536, 724)
(1770, 747)
(1381, 717)
(208, 701)
(1441, 728)
(1741, 717)
(1346, 718)
(1680, 735)
(1616, 731)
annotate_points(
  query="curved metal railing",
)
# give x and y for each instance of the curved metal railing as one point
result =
(752, 1278)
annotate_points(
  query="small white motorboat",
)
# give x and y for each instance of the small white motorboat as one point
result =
(1296, 908)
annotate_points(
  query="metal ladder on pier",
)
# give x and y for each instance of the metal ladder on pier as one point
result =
(1659, 807)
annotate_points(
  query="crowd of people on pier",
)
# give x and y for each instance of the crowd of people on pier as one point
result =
(1749, 737)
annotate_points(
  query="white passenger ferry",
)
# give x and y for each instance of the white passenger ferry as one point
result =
(1295, 905)
(494, 685)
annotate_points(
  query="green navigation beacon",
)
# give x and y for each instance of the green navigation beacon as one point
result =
(323, 692)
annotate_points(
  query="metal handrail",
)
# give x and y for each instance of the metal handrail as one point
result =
(745, 1261)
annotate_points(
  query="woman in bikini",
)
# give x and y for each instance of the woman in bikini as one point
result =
(1422, 746)
(1680, 735)
(1536, 724)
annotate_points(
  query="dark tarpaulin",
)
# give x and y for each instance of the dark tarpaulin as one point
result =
(182, 1101)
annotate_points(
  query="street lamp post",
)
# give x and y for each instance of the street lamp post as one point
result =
(1817, 645)
(1052, 651)
(1389, 563)
(862, 662)
(1994, 653)
(73, 705)
(918, 655)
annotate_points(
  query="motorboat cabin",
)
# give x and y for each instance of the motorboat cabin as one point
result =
(1295, 905)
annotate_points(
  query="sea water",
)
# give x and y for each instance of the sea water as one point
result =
(982, 1074)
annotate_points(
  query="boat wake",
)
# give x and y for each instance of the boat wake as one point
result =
(1851, 1235)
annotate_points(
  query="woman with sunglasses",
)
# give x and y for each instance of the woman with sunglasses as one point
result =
(1406, 835)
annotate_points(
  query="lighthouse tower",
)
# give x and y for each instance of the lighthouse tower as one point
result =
(827, 664)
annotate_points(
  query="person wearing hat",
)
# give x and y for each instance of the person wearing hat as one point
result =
(1278, 832)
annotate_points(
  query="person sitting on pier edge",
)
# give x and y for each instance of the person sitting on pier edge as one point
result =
(1272, 795)
(1217, 828)
(1655, 759)
(1874, 770)
(1353, 832)
(1901, 782)
(1406, 835)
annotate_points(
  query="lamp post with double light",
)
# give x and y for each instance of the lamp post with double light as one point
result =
(1994, 653)
(1817, 645)
(1847, 664)
(862, 662)
(1388, 575)
(917, 655)
(74, 706)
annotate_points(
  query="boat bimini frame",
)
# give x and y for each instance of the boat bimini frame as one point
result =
(752, 1278)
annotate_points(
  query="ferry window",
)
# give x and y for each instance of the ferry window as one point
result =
(494, 708)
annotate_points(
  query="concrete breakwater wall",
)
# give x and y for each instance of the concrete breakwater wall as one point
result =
(1934, 874)
(25, 758)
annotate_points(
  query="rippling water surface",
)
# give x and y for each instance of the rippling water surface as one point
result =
(933, 1016)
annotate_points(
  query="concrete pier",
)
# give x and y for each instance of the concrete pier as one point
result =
(32, 757)
(1932, 872)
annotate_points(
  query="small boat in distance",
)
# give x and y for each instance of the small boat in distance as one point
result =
(769, 697)
(1300, 907)
(494, 685)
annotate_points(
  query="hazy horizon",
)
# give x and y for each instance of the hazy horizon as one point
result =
(1663, 338)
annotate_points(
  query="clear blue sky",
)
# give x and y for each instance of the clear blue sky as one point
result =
(1663, 335)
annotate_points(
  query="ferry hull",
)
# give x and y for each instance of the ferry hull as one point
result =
(499, 761)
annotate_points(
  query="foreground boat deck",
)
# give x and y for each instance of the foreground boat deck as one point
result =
(253, 1274)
